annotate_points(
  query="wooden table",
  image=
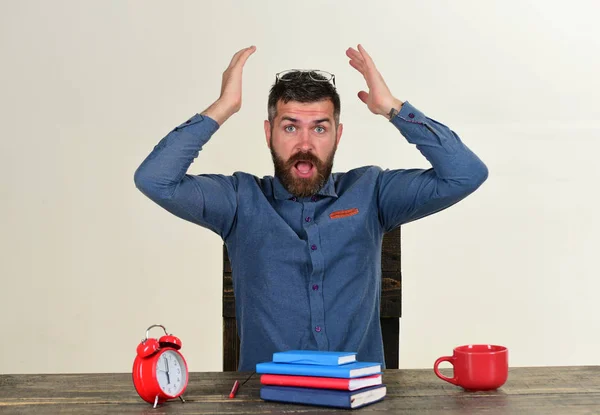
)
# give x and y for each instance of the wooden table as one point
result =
(542, 390)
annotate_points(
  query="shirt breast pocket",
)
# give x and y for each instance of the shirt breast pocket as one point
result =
(349, 224)
(350, 235)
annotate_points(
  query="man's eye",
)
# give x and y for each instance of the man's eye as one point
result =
(322, 130)
(290, 128)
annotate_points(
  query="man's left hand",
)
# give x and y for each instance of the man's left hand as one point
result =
(379, 99)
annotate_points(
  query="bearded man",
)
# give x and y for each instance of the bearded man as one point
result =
(305, 244)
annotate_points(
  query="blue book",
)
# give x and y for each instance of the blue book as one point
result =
(324, 397)
(314, 357)
(347, 371)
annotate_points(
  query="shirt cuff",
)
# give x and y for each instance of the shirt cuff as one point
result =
(408, 113)
(418, 129)
(208, 123)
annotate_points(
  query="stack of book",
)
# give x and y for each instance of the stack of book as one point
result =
(321, 378)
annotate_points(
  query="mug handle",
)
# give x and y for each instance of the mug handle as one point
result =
(449, 359)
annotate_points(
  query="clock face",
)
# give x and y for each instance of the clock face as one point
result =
(171, 373)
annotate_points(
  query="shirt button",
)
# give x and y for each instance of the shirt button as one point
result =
(318, 329)
(314, 198)
(411, 115)
(315, 287)
(313, 247)
(307, 219)
(294, 199)
(188, 121)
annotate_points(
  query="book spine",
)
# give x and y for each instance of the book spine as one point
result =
(306, 382)
(308, 370)
(305, 396)
(324, 361)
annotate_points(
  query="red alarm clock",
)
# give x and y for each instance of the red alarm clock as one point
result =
(160, 372)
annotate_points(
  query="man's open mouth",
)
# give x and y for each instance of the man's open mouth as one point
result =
(304, 168)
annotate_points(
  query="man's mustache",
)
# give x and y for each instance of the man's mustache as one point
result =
(303, 156)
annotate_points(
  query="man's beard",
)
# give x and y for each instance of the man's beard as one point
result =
(299, 186)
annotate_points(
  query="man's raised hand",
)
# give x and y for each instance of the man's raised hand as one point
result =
(379, 99)
(230, 100)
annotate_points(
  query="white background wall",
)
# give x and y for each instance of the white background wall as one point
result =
(89, 87)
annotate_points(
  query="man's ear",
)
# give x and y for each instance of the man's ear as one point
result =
(268, 133)
(340, 129)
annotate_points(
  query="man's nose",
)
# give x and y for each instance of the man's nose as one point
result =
(305, 141)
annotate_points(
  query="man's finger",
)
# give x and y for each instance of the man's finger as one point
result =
(363, 96)
(354, 54)
(365, 56)
(359, 67)
(235, 57)
(245, 53)
(244, 56)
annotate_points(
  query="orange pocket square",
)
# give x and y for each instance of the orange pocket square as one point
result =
(343, 213)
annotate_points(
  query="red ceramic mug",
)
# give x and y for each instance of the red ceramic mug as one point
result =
(476, 366)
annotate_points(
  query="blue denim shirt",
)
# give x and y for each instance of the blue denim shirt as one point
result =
(307, 271)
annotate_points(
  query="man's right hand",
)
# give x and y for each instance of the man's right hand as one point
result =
(230, 100)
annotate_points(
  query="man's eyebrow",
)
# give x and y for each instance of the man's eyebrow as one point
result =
(286, 118)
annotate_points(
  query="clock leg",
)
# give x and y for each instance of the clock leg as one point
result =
(155, 402)
(182, 401)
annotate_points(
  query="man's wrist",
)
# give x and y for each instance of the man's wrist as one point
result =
(218, 112)
(393, 109)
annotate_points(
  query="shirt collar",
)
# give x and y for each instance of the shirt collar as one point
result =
(280, 192)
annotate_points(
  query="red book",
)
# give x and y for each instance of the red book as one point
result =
(321, 382)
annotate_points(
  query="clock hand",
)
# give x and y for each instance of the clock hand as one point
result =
(168, 377)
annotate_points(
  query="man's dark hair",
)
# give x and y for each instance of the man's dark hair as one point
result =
(298, 86)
